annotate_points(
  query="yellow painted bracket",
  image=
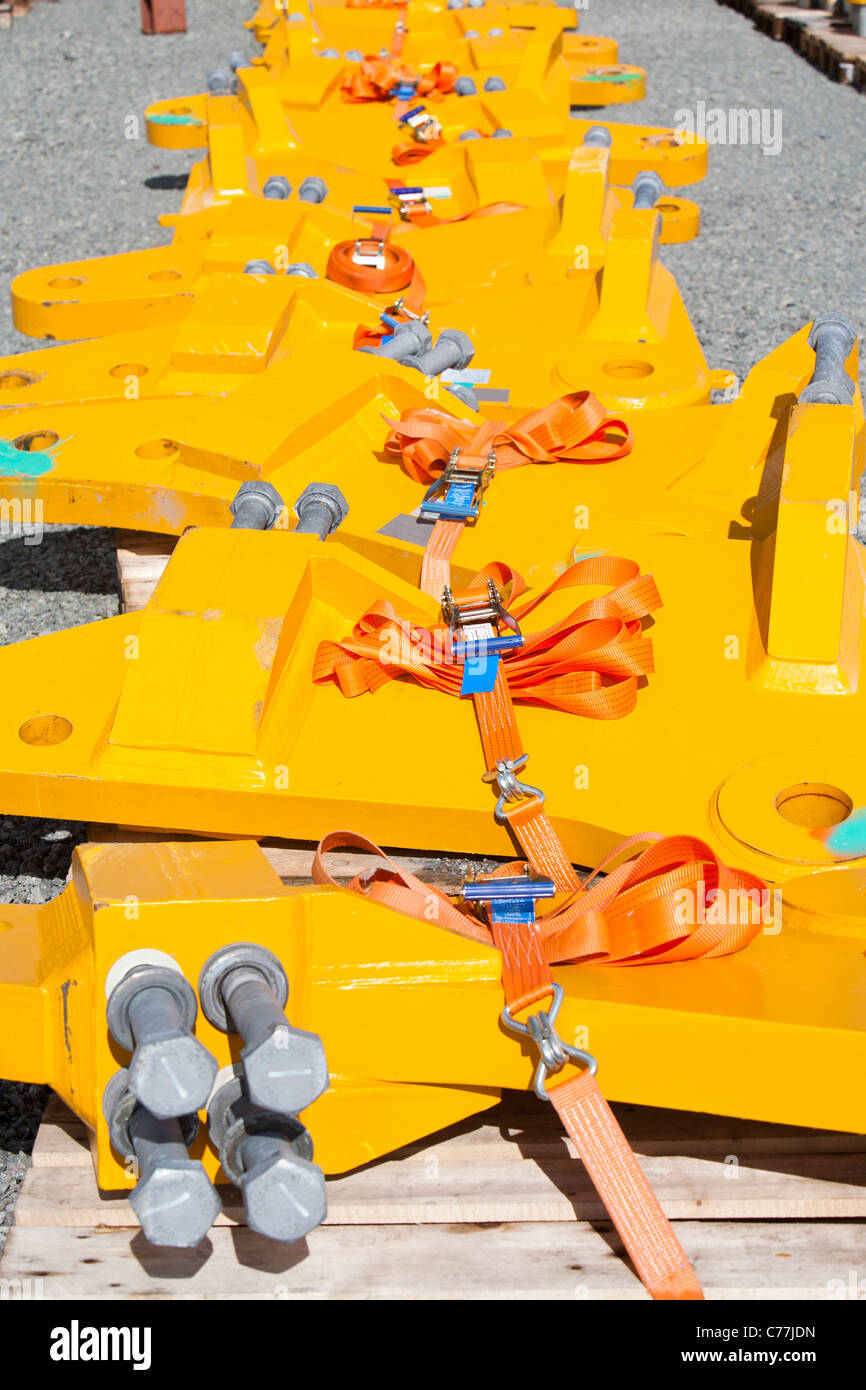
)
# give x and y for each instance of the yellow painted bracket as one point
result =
(361, 975)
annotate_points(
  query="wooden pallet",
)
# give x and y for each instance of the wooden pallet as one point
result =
(492, 1208)
(834, 50)
(825, 41)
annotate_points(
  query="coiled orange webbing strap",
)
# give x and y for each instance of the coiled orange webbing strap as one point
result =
(573, 429)
(398, 272)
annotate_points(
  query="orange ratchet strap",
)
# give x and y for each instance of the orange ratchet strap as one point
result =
(434, 446)
(375, 80)
(627, 918)
(398, 272)
(588, 663)
(420, 214)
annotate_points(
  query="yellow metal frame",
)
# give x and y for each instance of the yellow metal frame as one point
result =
(464, 37)
(552, 237)
(747, 1035)
(200, 713)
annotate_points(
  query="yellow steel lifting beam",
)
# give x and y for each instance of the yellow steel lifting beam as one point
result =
(480, 44)
(200, 712)
(536, 238)
(131, 448)
(748, 1035)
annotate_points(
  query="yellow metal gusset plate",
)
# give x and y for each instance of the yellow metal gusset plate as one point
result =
(361, 975)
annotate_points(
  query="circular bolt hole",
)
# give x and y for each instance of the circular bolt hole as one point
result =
(5, 926)
(13, 381)
(163, 276)
(44, 730)
(180, 111)
(628, 369)
(667, 207)
(32, 443)
(125, 369)
(65, 282)
(814, 805)
(157, 449)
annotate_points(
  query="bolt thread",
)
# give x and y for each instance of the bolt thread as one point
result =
(251, 514)
(152, 1013)
(249, 999)
(154, 1140)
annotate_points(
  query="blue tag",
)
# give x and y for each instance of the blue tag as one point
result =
(479, 674)
(513, 911)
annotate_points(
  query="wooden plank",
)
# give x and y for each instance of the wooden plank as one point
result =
(517, 1167)
(6, 14)
(559, 1261)
(292, 860)
(520, 1127)
(141, 558)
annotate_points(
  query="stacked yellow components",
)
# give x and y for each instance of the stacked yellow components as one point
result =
(477, 554)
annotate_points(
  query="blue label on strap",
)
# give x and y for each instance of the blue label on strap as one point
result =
(479, 674)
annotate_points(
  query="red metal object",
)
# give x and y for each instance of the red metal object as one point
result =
(163, 16)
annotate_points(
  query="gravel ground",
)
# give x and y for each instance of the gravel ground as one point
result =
(781, 241)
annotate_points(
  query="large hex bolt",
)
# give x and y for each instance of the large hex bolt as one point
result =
(598, 135)
(277, 186)
(221, 82)
(302, 269)
(502, 133)
(495, 33)
(469, 135)
(407, 340)
(330, 53)
(494, 84)
(259, 268)
(238, 59)
(472, 34)
(454, 5)
(174, 1199)
(354, 55)
(151, 1011)
(313, 190)
(475, 4)
(647, 189)
(269, 1157)
(465, 87)
(320, 509)
(831, 339)
(243, 989)
(255, 506)
(453, 349)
